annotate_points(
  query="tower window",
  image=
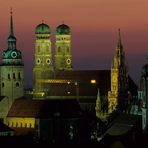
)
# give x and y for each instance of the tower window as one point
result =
(30, 125)
(47, 48)
(17, 84)
(59, 49)
(67, 49)
(3, 84)
(8, 76)
(19, 75)
(13, 75)
(38, 48)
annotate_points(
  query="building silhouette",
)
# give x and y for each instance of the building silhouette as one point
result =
(61, 96)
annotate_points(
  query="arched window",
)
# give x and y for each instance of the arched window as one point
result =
(30, 125)
(3, 84)
(47, 48)
(38, 48)
(8, 75)
(17, 84)
(19, 75)
(68, 49)
(13, 75)
(59, 49)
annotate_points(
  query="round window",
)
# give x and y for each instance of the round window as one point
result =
(48, 61)
(13, 54)
(38, 61)
(68, 61)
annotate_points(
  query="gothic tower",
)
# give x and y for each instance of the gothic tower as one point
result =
(43, 60)
(12, 69)
(63, 56)
(117, 97)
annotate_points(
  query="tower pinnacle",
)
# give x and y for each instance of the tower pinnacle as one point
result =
(11, 23)
(119, 44)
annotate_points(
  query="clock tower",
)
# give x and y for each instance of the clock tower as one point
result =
(63, 56)
(43, 60)
(117, 97)
(12, 69)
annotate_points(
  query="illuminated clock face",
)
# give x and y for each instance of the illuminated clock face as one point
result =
(68, 61)
(38, 61)
(48, 61)
(13, 54)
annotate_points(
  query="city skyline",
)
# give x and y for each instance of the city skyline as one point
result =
(94, 31)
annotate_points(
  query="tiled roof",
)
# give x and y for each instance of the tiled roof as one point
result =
(123, 124)
(84, 88)
(25, 108)
(44, 108)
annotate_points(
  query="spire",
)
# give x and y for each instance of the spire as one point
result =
(119, 44)
(11, 38)
(98, 101)
(11, 23)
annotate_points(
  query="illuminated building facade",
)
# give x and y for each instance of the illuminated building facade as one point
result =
(117, 97)
(12, 73)
(58, 82)
(44, 72)
(43, 60)
(63, 56)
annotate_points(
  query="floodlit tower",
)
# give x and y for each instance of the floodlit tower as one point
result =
(43, 60)
(12, 69)
(117, 97)
(63, 56)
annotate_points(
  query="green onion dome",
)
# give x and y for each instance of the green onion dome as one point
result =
(63, 30)
(42, 29)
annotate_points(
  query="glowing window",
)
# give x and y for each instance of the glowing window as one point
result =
(93, 81)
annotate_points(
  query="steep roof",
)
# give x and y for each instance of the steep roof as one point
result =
(44, 108)
(123, 124)
(80, 82)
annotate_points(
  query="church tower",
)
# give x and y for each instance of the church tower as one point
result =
(117, 97)
(43, 60)
(12, 69)
(63, 56)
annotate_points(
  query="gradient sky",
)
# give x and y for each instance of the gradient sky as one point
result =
(94, 25)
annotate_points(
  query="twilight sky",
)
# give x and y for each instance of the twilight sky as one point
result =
(94, 25)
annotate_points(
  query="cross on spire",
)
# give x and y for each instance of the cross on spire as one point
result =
(11, 11)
